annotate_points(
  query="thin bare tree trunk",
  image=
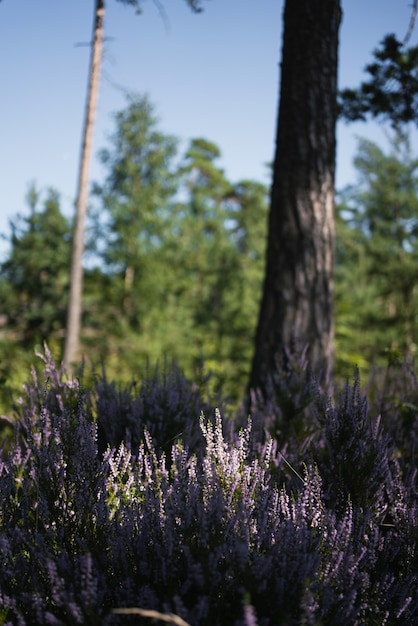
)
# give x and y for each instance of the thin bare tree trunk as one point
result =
(76, 279)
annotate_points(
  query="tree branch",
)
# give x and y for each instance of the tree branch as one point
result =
(411, 23)
(170, 618)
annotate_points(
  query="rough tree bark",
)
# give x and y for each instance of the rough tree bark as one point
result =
(297, 299)
(76, 277)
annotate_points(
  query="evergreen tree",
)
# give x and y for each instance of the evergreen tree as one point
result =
(248, 232)
(138, 237)
(385, 197)
(35, 276)
(220, 261)
(391, 92)
(136, 197)
(381, 221)
(182, 249)
(76, 284)
(206, 251)
(355, 297)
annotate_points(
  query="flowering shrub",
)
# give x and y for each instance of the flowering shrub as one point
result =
(396, 400)
(209, 529)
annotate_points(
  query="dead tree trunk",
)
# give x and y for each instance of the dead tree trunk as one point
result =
(72, 337)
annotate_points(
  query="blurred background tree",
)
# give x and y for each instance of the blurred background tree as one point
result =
(220, 261)
(377, 256)
(134, 219)
(177, 256)
(391, 91)
(33, 287)
(35, 276)
(75, 309)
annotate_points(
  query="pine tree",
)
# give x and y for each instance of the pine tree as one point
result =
(381, 219)
(182, 249)
(36, 271)
(76, 283)
(134, 216)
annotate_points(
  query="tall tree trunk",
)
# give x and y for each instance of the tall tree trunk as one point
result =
(297, 299)
(76, 279)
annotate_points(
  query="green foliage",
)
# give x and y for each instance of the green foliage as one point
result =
(377, 256)
(35, 276)
(175, 268)
(183, 251)
(220, 260)
(134, 215)
(180, 252)
(392, 89)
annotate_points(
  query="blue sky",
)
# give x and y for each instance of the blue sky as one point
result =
(214, 75)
